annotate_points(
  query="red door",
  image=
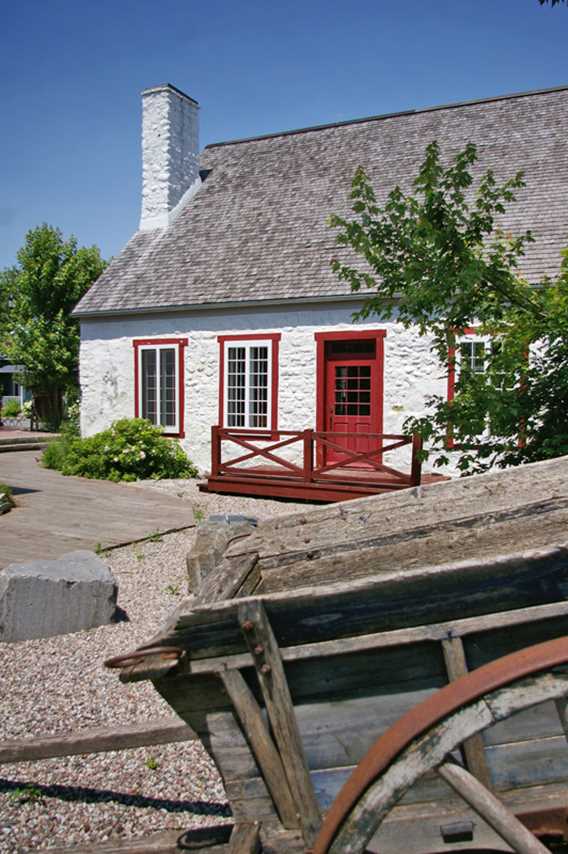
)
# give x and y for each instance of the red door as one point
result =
(352, 395)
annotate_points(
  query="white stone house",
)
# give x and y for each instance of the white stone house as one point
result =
(222, 308)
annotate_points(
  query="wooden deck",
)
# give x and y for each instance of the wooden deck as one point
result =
(57, 514)
(353, 473)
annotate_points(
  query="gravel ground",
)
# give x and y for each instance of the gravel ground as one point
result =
(58, 686)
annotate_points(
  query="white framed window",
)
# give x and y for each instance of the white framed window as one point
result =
(159, 383)
(248, 384)
(471, 353)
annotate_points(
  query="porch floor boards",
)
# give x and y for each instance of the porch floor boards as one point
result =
(340, 484)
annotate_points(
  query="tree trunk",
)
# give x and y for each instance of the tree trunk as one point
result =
(49, 408)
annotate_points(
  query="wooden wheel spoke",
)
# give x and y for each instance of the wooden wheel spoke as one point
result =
(490, 809)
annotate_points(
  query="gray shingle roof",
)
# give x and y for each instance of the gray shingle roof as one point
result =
(256, 229)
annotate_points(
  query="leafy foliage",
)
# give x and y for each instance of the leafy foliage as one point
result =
(131, 449)
(8, 285)
(11, 409)
(5, 489)
(437, 261)
(52, 275)
(552, 2)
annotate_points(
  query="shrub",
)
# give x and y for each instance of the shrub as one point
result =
(131, 449)
(55, 454)
(11, 409)
(6, 501)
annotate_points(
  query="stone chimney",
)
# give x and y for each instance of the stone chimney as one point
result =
(170, 152)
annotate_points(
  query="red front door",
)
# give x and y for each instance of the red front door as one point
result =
(352, 395)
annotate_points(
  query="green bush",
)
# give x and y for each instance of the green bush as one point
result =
(11, 409)
(7, 491)
(55, 454)
(131, 449)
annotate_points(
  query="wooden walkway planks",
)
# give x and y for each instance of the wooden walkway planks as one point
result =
(57, 514)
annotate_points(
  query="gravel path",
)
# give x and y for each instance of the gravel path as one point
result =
(58, 685)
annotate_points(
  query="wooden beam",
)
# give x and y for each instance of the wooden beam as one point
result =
(473, 748)
(491, 810)
(245, 838)
(562, 708)
(267, 756)
(379, 640)
(160, 731)
(396, 637)
(274, 686)
(214, 839)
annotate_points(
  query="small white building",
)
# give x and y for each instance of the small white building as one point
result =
(223, 310)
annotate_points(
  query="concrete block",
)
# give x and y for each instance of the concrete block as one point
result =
(44, 598)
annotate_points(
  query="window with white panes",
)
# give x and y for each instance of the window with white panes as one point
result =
(248, 384)
(470, 356)
(159, 386)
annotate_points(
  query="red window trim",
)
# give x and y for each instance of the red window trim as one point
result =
(355, 335)
(181, 344)
(469, 330)
(275, 338)
(450, 443)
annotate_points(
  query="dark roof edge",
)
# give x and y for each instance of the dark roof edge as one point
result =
(213, 306)
(381, 116)
(160, 87)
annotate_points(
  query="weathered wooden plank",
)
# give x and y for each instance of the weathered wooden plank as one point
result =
(267, 757)
(514, 766)
(245, 838)
(522, 492)
(249, 808)
(420, 825)
(381, 603)
(160, 731)
(540, 616)
(486, 539)
(473, 748)
(382, 640)
(225, 583)
(561, 706)
(433, 746)
(491, 809)
(280, 709)
(277, 841)
(214, 838)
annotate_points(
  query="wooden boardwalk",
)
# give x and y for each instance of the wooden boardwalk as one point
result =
(57, 514)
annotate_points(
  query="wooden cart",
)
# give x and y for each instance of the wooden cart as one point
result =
(379, 714)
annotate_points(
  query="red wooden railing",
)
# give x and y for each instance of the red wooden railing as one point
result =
(316, 447)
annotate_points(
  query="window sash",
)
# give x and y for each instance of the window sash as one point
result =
(476, 358)
(247, 384)
(159, 398)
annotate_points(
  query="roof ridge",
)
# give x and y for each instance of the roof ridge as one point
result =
(449, 106)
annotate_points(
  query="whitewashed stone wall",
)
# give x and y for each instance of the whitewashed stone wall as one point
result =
(170, 152)
(411, 371)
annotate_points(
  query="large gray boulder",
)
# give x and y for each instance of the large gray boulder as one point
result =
(43, 598)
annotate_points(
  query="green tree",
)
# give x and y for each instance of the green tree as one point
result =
(436, 260)
(51, 275)
(8, 279)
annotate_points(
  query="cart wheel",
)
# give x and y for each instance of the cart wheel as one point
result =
(423, 739)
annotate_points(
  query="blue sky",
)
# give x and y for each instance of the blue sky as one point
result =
(72, 72)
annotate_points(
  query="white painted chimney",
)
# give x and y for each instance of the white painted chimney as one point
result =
(170, 152)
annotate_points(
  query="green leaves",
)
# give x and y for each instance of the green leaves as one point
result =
(36, 301)
(437, 257)
(130, 449)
